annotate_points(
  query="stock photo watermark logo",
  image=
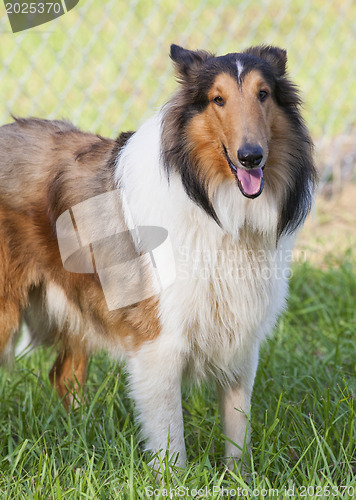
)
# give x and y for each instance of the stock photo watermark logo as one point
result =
(26, 14)
(133, 263)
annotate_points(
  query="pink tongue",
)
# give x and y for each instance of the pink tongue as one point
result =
(250, 180)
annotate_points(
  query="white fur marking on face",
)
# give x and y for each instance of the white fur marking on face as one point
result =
(239, 68)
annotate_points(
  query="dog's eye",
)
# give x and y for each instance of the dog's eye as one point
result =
(262, 95)
(219, 100)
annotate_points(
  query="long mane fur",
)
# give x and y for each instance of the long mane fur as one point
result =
(195, 73)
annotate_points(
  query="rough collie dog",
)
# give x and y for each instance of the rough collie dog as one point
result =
(225, 172)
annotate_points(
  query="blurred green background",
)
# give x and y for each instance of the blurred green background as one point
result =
(104, 65)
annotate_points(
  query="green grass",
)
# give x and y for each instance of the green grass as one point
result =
(303, 415)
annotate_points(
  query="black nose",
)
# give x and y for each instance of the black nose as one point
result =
(250, 155)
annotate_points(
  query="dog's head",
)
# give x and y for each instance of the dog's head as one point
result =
(236, 119)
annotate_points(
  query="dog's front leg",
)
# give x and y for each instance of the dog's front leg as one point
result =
(235, 401)
(155, 376)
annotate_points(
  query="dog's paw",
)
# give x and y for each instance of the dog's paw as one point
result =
(238, 461)
(160, 464)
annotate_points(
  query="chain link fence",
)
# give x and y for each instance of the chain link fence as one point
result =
(104, 65)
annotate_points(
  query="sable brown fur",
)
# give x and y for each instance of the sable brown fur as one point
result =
(199, 157)
(47, 167)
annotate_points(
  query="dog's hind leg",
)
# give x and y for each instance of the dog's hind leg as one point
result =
(14, 284)
(69, 372)
(9, 326)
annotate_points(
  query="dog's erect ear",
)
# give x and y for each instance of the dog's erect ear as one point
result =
(275, 56)
(186, 62)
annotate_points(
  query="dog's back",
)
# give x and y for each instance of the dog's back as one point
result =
(36, 153)
(46, 169)
(39, 161)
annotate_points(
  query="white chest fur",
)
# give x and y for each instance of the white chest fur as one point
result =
(224, 301)
(231, 281)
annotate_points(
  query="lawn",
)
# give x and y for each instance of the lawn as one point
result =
(303, 416)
